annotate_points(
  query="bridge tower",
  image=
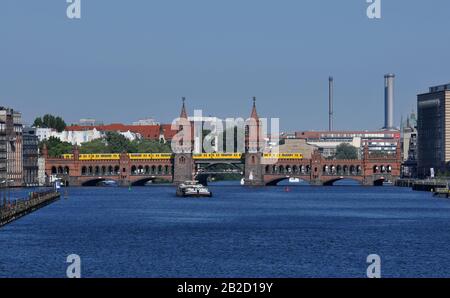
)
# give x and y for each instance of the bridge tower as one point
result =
(183, 163)
(253, 150)
(125, 169)
(367, 167)
(76, 164)
(316, 168)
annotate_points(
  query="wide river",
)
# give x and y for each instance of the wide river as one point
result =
(300, 231)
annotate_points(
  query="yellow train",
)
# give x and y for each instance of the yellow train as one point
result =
(167, 156)
(283, 156)
(116, 156)
(153, 156)
(218, 156)
(99, 156)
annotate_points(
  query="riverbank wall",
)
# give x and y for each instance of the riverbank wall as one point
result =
(12, 211)
(422, 185)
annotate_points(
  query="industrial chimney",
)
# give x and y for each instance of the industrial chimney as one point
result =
(330, 103)
(389, 101)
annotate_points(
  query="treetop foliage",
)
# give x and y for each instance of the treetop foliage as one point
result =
(50, 121)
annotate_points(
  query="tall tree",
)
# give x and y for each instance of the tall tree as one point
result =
(50, 121)
(118, 143)
(346, 151)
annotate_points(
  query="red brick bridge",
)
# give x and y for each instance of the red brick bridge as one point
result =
(127, 169)
(138, 169)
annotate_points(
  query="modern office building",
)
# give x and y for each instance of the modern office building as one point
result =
(433, 129)
(11, 166)
(30, 157)
(379, 142)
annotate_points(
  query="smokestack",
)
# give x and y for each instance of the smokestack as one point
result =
(389, 101)
(330, 103)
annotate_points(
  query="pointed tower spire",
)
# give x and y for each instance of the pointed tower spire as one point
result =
(254, 114)
(253, 130)
(183, 109)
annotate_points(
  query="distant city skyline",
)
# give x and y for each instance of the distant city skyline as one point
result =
(123, 62)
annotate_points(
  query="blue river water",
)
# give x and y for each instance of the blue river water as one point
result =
(300, 231)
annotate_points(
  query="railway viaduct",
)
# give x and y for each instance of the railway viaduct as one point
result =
(257, 169)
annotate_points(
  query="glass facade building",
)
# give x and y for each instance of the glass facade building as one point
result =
(433, 128)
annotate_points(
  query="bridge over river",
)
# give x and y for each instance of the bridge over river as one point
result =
(256, 167)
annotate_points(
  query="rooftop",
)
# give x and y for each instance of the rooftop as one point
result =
(440, 88)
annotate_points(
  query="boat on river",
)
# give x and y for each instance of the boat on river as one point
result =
(193, 189)
(442, 192)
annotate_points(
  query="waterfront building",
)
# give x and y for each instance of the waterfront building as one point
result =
(77, 137)
(409, 146)
(30, 157)
(161, 132)
(297, 146)
(378, 142)
(433, 129)
(11, 162)
(44, 133)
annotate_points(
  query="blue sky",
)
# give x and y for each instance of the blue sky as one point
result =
(126, 60)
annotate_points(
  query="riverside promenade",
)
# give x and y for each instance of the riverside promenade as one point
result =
(36, 200)
(423, 185)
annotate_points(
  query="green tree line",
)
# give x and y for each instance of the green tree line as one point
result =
(50, 121)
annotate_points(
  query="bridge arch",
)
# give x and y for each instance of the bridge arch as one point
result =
(352, 170)
(217, 168)
(331, 182)
(144, 180)
(379, 181)
(275, 181)
(218, 163)
(92, 182)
